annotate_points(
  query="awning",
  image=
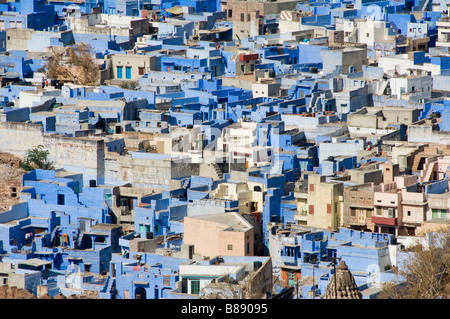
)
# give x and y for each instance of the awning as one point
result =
(175, 10)
(34, 226)
(140, 283)
(73, 258)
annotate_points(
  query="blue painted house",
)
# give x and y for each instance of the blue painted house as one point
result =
(32, 14)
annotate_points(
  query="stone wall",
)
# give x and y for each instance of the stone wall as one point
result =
(24, 135)
(81, 155)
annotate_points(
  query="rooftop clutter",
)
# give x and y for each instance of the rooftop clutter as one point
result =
(220, 150)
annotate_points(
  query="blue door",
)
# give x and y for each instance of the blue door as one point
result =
(128, 72)
(119, 72)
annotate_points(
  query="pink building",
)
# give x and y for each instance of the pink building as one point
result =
(225, 234)
(414, 208)
(397, 210)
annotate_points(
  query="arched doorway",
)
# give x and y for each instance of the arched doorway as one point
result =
(140, 293)
(86, 242)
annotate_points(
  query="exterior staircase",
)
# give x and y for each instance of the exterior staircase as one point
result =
(423, 5)
(394, 27)
(53, 234)
(218, 170)
(186, 183)
(383, 87)
(277, 168)
(108, 289)
(80, 239)
(427, 172)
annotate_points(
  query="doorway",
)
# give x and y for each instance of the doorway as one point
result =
(140, 293)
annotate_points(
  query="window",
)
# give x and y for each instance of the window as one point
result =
(195, 287)
(141, 70)
(353, 212)
(242, 17)
(166, 280)
(61, 199)
(100, 239)
(291, 278)
(119, 72)
(230, 247)
(391, 212)
(230, 13)
(434, 213)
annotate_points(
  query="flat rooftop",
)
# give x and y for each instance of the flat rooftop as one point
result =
(231, 221)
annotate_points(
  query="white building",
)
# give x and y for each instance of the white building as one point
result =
(443, 26)
(415, 87)
(239, 140)
(402, 63)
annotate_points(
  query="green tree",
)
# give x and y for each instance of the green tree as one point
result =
(37, 158)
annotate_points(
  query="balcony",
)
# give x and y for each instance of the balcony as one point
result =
(290, 260)
(384, 221)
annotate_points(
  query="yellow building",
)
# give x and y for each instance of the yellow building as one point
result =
(325, 203)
